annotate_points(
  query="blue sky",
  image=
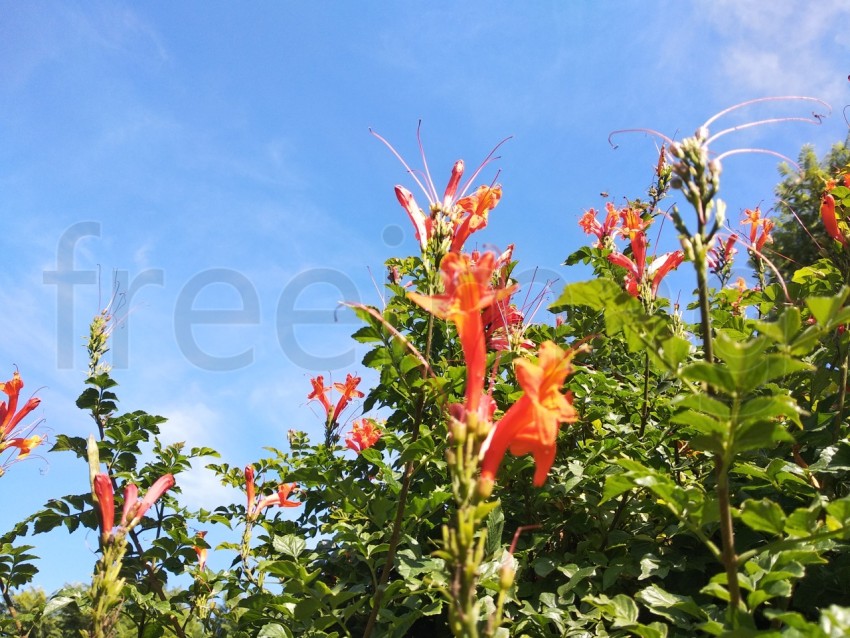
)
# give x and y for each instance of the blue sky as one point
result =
(219, 158)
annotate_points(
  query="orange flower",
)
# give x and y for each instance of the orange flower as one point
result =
(757, 222)
(249, 488)
(590, 225)
(364, 434)
(281, 498)
(476, 208)
(830, 220)
(467, 293)
(10, 416)
(466, 214)
(320, 393)
(349, 391)
(636, 270)
(25, 446)
(201, 552)
(105, 504)
(531, 424)
(134, 509)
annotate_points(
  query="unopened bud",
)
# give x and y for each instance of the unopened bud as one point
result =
(506, 576)
(720, 213)
(484, 488)
(676, 150)
(715, 168)
(93, 454)
(458, 432)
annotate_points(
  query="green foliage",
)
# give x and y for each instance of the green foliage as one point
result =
(799, 231)
(704, 489)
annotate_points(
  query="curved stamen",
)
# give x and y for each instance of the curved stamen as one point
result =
(490, 158)
(815, 119)
(648, 131)
(425, 164)
(763, 151)
(409, 170)
(758, 100)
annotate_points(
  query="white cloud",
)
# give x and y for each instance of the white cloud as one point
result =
(781, 47)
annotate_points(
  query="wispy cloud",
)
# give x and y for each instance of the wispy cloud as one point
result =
(781, 47)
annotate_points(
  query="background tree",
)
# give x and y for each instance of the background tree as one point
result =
(799, 232)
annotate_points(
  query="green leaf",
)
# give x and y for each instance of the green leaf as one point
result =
(290, 544)
(597, 293)
(784, 329)
(758, 433)
(715, 375)
(704, 403)
(495, 526)
(674, 351)
(763, 516)
(274, 631)
(679, 609)
(824, 309)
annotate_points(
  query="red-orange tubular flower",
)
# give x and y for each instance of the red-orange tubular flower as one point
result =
(281, 498)
(201, 552)
(466, 214)
(590, 225)
(476, 209)
(134, 509)
(320, 393)
(10, 416)
(349, 391)
(467, 292)
(830, 220)
(25, 445)
(658, 269)
(753, 217)
(532, 423)
(364, 434)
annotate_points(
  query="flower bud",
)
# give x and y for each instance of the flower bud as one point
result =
(484, 488)
(506, 576)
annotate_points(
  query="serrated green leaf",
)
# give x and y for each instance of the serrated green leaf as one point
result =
(290, 545)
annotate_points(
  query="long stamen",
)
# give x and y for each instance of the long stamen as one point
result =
(490, 158)
(773, 120)
(762, 151)
(648, 131)
(433, 198)
(409, 170)
(781, 98)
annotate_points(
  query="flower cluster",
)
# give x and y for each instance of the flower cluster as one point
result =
(721, 255)
(452, 218)
(348, 391)
(279, 498)
(133, 510)
(364, 434)
(641, 279)
(531, 424)
(12, 433)
(760, 228)
(604, 231)
(467, 291)
(504, 322)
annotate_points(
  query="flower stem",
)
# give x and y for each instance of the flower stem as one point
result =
(842, 395)
(727, 535)
(395, 535)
